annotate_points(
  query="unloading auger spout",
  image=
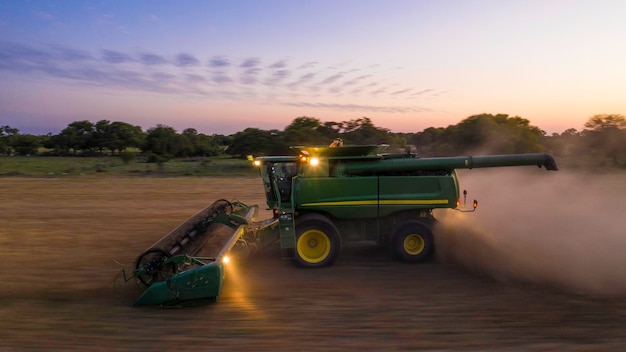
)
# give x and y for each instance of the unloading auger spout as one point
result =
(447, 163)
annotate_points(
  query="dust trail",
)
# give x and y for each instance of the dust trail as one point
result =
(561, 229)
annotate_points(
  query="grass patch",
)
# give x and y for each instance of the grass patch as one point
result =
(35, 166)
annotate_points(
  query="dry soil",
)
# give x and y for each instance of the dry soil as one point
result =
(538, 267)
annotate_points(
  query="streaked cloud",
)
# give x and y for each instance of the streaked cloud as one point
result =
(219, 62)
(115, 57)
(193, 78)
(186, 60)
(250, 76)
(279, 64)
(308, 65)
(277, 77)
(304, 79)
(183, 74)
(332, 79)
(250, 62)
(152, 59)
(401, 91)
(221, 78)
(360, 107)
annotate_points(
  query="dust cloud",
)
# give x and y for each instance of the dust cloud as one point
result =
(559, 229)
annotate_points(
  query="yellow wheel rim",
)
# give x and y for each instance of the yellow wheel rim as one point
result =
(414, 244)
(313, 246)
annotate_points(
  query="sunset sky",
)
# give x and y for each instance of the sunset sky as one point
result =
(221, 66)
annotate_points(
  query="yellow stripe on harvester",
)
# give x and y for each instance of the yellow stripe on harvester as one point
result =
(413, 201)
(341, 203)
(382, 202)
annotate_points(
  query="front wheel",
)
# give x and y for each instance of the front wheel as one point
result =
(412, 242)
(317, 242)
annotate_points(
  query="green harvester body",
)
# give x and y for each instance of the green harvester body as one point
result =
(366, 194)
(322, 199)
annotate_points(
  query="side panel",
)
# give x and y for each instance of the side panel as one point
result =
(356, 231)
(399, 193)
(341, 197)
(287, 230)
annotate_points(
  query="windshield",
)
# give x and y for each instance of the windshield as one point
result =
(278, 174)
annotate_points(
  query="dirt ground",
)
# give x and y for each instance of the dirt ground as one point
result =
(61, 238)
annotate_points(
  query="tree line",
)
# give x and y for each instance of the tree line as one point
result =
(604, 137)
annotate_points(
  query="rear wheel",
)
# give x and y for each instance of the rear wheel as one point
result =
(412, 241)
(317, 242)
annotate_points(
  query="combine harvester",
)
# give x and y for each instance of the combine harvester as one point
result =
(322, 198)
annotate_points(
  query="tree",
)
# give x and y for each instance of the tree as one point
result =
(605, 135)
(429, 141)
(568, 143)
(121, 135)
(304, 130)
(7, 134)
(77, 136)
(101, 134)
(26, 144)
(198, 144)
(487, 133)
(189, 142)
(252, 141)
(162, 141)
(604, 122)
(363, 131)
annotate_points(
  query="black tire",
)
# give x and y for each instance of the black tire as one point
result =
(153, 266)
(412, 241)
(318, 243)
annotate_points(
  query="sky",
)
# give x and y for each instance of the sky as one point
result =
(221, 66)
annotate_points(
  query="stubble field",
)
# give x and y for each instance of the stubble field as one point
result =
(538, 267)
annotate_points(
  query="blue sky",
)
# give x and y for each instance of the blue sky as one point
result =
(223, 66)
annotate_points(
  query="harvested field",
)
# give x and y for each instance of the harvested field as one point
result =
(535, 284)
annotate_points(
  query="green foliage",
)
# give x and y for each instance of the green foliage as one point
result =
(7, 136)
(363, 131)
(606, 136)
(57, 166)
(25, 144)
(603, 141)
(606, 122)
(481, 134)
(254, 141)
(163, 141)
(304, 131)
(77, 136)
(117, 136)
(127, 156)
(198, 144)
(602, 144)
